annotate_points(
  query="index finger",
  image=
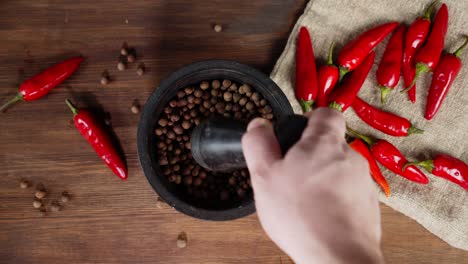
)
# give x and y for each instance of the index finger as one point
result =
(325, 121)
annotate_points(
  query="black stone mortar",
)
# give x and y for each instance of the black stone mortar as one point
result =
(147, 150)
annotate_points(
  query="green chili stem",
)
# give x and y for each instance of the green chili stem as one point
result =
(12, 101)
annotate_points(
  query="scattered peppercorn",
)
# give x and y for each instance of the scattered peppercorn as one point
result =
(37, 204)
(42, 212)
(131, 58)
(24, 184)
(65, 197)
(141, 69)
(182, 240)
(124, 49)
(218, 28)
(135, 108)
(160, 204)
(121, 66)
(40, 194)
(55, 207)
(105, 79)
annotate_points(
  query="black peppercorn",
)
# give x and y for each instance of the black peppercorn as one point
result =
(215, 84)
(162, 122)
(186, 124)
(243, 101)
(173, 103)
(188, 90)
(180, 94)
(198, 93)
(255, 97)
(188, 180)
(204, 85)
(207, 104)
(175, 118)
(233, 87)
(226, 84)
(198, 181)
(250, 106)
(190, 99)
(178, 130)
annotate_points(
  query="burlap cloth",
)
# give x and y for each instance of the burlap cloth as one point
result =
(440, 206)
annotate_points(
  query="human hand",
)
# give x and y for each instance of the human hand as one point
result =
(318, 202)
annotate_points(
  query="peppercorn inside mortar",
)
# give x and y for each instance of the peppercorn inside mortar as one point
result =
(187, 109)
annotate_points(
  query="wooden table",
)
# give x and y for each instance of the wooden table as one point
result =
(107, 220)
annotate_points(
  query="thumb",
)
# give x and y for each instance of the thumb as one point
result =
(260, 146)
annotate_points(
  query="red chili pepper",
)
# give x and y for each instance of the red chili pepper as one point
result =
(414, 39)
(306, 71)
(353, 53)
(42, 83)
(385, 122)
(391, 158)
(442, 79)
(343, 96)
(428, 56)
(328, 76)
(388, 73)
(361, 147)
(410, 76)
(97, 137)
(446, 167)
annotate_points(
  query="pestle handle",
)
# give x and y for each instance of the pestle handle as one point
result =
(216, 143)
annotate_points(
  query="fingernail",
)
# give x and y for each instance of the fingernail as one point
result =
(257, 122)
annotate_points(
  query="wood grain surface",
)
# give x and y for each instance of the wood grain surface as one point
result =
(108, 220)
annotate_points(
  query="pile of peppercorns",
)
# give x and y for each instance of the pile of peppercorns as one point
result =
(41, 193)
(190, 106)
(127, 56)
